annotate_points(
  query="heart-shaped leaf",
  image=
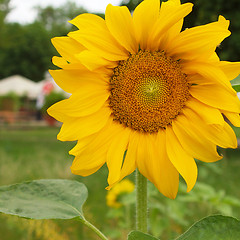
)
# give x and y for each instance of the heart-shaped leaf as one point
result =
(44, 199)
(213, 228)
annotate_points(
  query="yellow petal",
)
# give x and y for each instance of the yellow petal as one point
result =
(81, 166)
(211, 73)
(92, 151)
(214, 58)
(144, 157)
(115, 154)
(103, 138)
(154, 164)
(90, 156)
(67, 47)
(62, 63)
(215, 96)
(172, 32)
(120, 23)
(182, 161)
(199, 42)
(166, 177)
(86, 19)
(165, 22)
(231, 69)
(198, 79)
(59, 61)
(72, 80)
(208, 114)
(227, 133)
(193, 142)
(92, 61)
(82, 144)
(234, 118)
(129, 164)
(144, 17)
(95, 36)
(87, 100)
(77, 128)
(222, 136)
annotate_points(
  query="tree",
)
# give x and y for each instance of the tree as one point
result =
(4, 10)
(27, 51)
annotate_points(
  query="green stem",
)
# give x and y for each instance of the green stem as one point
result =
(141, 203)
(93, 228)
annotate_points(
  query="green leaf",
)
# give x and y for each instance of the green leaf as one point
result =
(44, 199)
(236, 84)
(136, 235)
(236, 87)
(213, 228)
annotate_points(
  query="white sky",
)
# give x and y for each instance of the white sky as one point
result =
(23, 10)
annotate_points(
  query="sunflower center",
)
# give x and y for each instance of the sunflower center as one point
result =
(147, 91)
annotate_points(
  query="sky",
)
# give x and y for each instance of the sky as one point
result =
(24, 12)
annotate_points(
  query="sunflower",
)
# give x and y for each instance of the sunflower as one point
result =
(145, 94)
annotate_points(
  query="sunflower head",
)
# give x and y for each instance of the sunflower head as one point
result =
(145, 94)
(151, 88)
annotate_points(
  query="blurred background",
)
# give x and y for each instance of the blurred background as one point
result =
(29, 149)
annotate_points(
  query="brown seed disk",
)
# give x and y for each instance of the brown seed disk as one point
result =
(147, 91)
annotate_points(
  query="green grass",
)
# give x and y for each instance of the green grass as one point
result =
(33, 154)
(36, 154)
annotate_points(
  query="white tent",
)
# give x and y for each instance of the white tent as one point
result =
(25, 87)
(20, 86)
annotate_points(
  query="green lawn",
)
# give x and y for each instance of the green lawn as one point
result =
(36, 154)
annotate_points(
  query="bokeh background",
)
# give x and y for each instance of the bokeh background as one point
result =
(29, 149)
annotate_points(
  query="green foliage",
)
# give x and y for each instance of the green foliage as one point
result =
(25, 50)
(136, 235)
(123, 216)
(169, 217)
(213, 228)
(4, 10)
(44, 199)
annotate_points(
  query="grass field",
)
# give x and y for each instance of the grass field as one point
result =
(29, 154)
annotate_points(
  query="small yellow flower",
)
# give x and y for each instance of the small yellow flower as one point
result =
(125, 186)
(142, 87)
